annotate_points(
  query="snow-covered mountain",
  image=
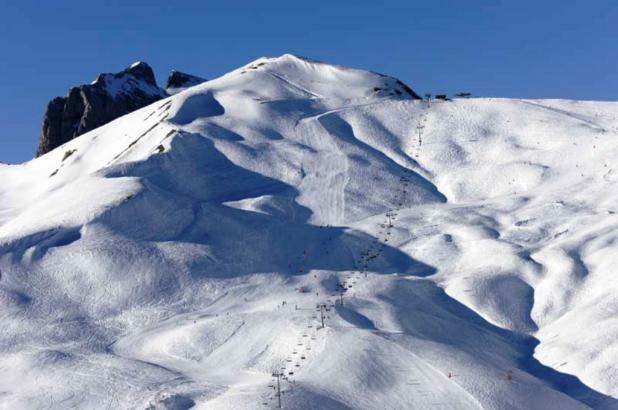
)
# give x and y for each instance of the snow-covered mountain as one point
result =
(459, 253)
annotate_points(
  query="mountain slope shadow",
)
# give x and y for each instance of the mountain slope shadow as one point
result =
(197, 106)
(40, 243)
(336, 125)
(425, 311)
(244, 242)
(193, 168)
(198, 178)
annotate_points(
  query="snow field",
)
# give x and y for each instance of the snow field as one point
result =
(472, 241)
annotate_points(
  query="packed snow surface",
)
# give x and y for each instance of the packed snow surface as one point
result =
(461, 254)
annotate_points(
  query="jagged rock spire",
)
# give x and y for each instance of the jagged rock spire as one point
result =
(178, 81)
(89, 106)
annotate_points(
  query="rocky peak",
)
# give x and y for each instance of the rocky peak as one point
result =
(109, 96)
(178, 81)
(89, 106)
(142, 71)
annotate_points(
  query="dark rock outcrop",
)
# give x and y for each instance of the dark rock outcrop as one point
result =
(89, 106)
(178, 81)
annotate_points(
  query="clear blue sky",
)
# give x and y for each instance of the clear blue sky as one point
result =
(516, 48)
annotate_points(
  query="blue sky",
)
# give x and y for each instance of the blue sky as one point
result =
(518, 48)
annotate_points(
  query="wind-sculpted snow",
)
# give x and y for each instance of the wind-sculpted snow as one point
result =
(375, 250)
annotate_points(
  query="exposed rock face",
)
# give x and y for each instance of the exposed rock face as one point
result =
(89, 106)
(178, 81)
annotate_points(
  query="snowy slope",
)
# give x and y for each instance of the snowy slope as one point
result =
(174, 258)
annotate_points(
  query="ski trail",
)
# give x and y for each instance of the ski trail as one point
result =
(295, 86)
(566, 113)
(332, 172)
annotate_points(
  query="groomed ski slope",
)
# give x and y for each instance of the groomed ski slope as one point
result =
(463, 252)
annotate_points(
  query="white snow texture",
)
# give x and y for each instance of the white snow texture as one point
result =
(463, 253)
